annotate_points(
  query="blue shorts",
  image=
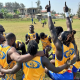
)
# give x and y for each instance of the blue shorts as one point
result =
(23, 76)
(47, 46)
(64, 76)
(74, 69)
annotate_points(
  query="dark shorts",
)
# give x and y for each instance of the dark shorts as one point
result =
(74, 69)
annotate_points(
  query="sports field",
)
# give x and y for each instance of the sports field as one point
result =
(21, 27)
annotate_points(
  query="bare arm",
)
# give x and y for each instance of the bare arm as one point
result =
(16, 68)
(75, 58)
(68, 22)
(51, 67)
(55, 39)
(19, 58)
(37, 38)
(27, 39)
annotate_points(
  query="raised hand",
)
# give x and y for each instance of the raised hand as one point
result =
(48, 7)
(65, 8)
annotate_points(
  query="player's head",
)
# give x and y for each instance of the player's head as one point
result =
(32, 47)
(59, 29)
(42, 35)
(31, 28)
(11, 38)
(67, 36)
(2, 39)
(1, 29)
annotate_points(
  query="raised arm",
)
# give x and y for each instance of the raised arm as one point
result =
(16, 68)
(55, 40)
(68, 22)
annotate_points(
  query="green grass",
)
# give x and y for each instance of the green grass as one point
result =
(21, 27)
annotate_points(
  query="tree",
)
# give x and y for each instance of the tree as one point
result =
(9, 6)
(4, 11)
(1, 5)
(39, 6)
(16, 12)
(53, 12)
(78, 12)
(22, 5)
(16, 5)
(69, 11)
(38, 3)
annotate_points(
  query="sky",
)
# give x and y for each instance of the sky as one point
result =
(56, 5)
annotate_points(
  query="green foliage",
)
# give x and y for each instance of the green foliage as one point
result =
(16, 12)
(78, 12)
(4, 11)
(69, 11)
(9, 16)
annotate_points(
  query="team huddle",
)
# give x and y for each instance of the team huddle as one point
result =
(65, 55)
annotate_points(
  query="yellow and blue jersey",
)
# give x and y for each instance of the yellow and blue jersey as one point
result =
(34, 70)
(4, 63)
(32, 35)
(53, 47)
(17, 43)
(45, 42)
(68, 52)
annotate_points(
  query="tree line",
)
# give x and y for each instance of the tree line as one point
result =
(11, 6)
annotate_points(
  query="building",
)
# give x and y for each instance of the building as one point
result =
(59, 16)
(27, 11)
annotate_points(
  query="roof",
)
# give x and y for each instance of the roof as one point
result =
(44, 11)
(56, 14)
(32, 8)
(60, 15)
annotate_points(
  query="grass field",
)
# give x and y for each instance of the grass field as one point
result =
(21, 27)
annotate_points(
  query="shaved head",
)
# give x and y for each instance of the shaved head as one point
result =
(10, 36)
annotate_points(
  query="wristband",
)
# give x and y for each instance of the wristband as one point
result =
(69, 62)
(66, 14)
(49, 14)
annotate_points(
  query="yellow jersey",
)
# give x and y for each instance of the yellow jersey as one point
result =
(34, 70)
(53, 47)
(45, 42)
(68, 52)
(4, 63)
(32, 36)
(17, 43)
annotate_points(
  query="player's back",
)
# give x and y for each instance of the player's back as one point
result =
(45, 42)
(34, 70)
(4, 62)
(67, 52)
